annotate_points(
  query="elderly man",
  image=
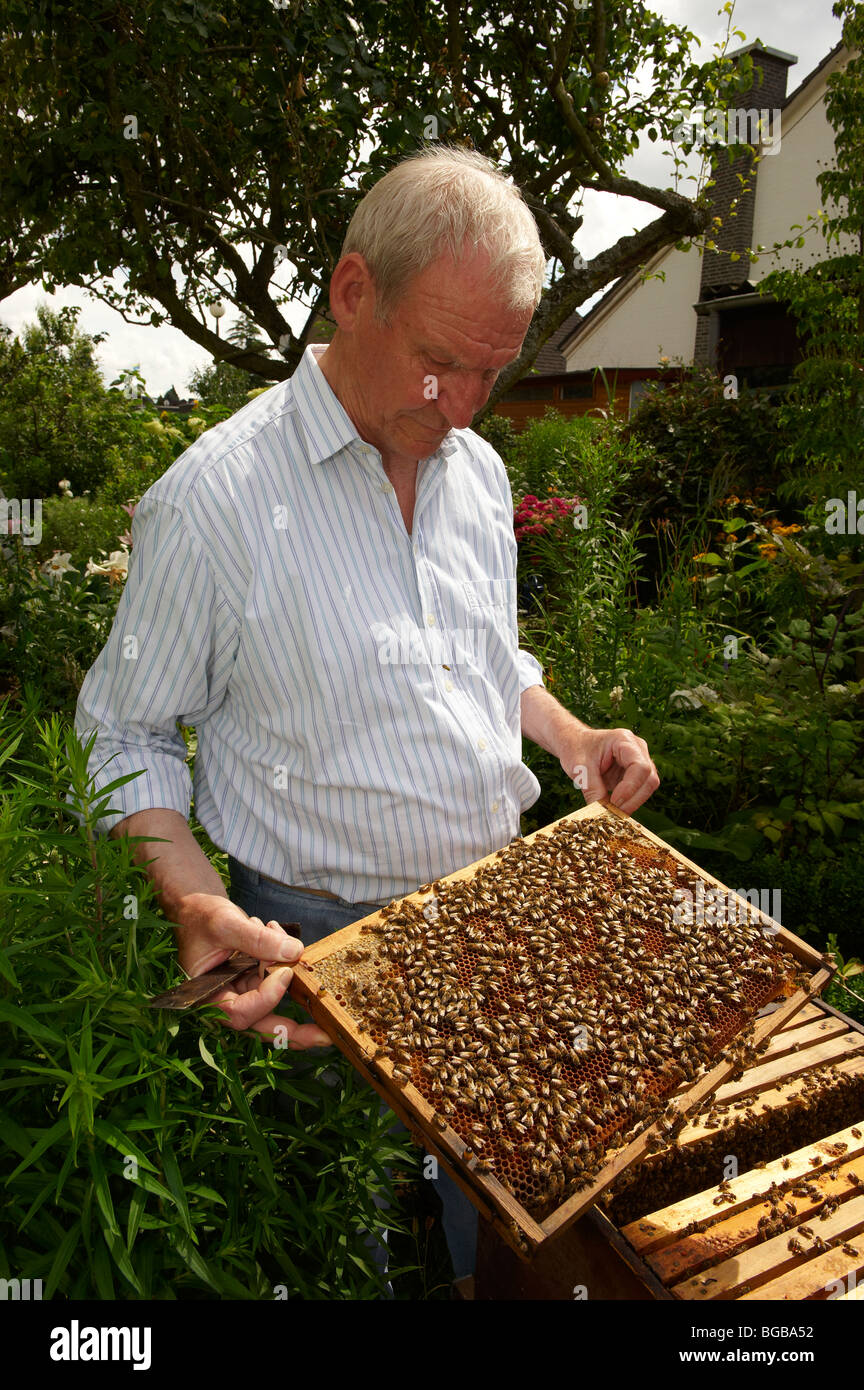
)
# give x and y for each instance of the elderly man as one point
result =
(325, 587)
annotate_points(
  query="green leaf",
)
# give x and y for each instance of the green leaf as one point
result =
(136, 1211)
(47, 1138)
(120, 1256)
(194, 1260)
(103, 1191)
(10, 1013)
(175, 1182)
(65, 1250)
(110, 1134)
(208, 1057)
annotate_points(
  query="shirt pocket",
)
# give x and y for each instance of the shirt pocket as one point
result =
(489, 600)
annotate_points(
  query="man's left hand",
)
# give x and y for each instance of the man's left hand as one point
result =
(609, 763)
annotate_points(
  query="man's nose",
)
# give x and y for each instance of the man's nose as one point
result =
(460, 400)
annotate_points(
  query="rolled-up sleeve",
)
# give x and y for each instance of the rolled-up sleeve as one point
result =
(530, 670)
(168, 659)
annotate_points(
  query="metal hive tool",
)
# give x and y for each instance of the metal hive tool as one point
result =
(533, 1015)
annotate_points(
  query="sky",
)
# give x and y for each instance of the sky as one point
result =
(167, 357)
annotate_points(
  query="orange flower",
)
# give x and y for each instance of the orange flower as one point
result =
(769, 551)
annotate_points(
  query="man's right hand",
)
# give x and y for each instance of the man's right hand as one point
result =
(214, 927)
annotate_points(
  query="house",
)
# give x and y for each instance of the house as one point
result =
(688, 307)
(170, 402)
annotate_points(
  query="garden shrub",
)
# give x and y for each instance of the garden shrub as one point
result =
(57, 420)
(498, 431)
(548, 450)
(698, 446)
(81, 528)
(52, 629)
(144, 1155)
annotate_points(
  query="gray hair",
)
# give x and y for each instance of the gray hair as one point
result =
(441, 200)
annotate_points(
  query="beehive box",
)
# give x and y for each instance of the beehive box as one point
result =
(530, 1017)
(789, 1226)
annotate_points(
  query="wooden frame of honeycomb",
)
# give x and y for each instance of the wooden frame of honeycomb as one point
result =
(789, 1225)
(546, 1017)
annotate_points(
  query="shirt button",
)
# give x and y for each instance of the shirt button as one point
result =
(495, 805)
(430, 618)
(481, 744)
(448, 685)
(415, 547)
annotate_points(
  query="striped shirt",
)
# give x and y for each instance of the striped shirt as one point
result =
(355, 689)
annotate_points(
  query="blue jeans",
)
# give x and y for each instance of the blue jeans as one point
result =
(319, 917)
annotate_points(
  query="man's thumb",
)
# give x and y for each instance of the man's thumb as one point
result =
(589, 783)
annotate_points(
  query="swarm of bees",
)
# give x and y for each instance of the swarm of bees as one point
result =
(546, 1006)
(828, 1100)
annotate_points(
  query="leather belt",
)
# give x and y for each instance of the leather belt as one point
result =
(317, 892)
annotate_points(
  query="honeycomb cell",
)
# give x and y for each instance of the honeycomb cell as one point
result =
(550, 1004)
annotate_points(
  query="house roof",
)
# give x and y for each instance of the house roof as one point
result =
(576, 330)
(818, 68)
(550, 361)
(622, 285)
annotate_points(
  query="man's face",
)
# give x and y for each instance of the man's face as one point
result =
(433, 366)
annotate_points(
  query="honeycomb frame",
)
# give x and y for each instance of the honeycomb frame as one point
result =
(476, 1055)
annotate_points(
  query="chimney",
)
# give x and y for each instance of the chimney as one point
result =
(720, 275)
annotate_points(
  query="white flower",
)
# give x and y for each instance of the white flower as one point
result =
(65, 487)
(57, 566)
(591, 680)
(616, 694)
(684, 699)
(693, 699)
(705, 693)
(116, 567)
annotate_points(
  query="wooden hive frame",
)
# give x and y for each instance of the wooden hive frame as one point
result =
(709, 1245)
(673, 1251)
(493, 1200)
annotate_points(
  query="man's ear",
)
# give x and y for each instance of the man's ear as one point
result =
(351, 286)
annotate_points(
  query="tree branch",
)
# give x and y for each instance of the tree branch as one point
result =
(575, 286)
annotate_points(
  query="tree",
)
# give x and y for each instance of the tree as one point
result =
(217, 150)
(825, 405)
(224, 384)
(57, 420)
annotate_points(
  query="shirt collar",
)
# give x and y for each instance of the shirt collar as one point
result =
(326, 422)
